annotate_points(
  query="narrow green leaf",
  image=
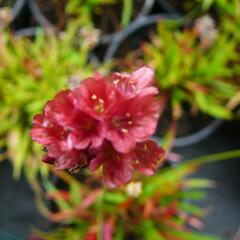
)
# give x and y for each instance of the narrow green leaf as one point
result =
(114, 197)
(127, 12)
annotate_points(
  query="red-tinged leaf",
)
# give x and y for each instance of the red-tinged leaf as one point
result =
(108, 229)
(91, 236)
(59, 195)
(90, 199)
(149, 208)
(126, 204)
(193, 86)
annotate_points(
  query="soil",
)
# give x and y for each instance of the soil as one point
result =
(179, 6)
(6, 3)
(131, 44)
(106, 17)
(54, 11)
(186, 125)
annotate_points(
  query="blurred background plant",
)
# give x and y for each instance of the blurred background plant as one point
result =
(230, 7)
(31, 73)
(157, 207)
(163, 206)
(193, 67)
(109, 16)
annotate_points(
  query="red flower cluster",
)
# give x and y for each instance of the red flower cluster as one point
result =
(105, 121)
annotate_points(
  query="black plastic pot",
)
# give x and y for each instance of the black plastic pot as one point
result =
(196, 137)
(167, 7)
(38, 15)
(17, 8)
(183, 7)
(223, 201)
(26, 32)
(141, 22)
(46, 23)
(20, 13)
(190, 128)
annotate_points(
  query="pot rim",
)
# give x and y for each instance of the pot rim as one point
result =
(17, 8)
(196, 137)
(44, 22)
(137, 24)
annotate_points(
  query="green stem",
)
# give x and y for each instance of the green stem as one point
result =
(196, 162)
(100, 219)
(214, 158)
(127, 12)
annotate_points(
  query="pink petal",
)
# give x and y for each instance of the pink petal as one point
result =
(71, 159)
(108, 230)
(44, 135)
(148, 91)
(53, 150)
(143, 77)
(96, 162)
(146, 155)
(97, 141)
(117, 171)
(147, 117)
(48, 159)
(124, 142)
(38, 120)
(82, 143)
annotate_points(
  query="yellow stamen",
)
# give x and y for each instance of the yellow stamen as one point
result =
(94, 97)
(145, 147)
(129, 122)
(124, 130)
(116, 81)
(101, 101)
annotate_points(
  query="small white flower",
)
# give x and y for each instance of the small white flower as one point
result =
(134, 189)
(91, 35)
(62, 35)
(204, 24)
(74, 81)
(206, 28)
(5, 16)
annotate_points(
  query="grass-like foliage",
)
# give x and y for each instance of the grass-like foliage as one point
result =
(158, 207)
(191, 72)
(31, 73)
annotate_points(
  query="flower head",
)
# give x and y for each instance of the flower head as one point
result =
(104, 121)
(205, 28)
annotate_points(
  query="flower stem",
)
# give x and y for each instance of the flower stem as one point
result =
(100, 218)
(127, 12)
(217, 157)
(197, 162)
